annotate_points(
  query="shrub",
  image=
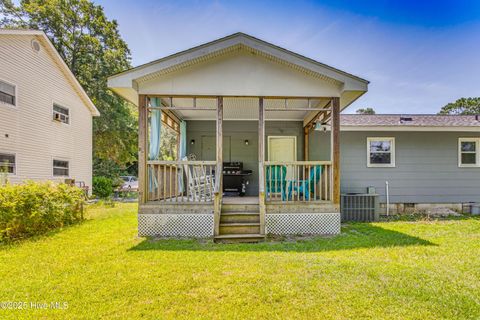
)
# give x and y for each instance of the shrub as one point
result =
(117, 183)
(3, 174)
(34, 208)
(102, 187)
(106, 168)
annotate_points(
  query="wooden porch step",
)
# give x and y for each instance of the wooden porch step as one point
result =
(238, 238)
(239, 228)
(239, 217)
(252, 208)
(239, 224)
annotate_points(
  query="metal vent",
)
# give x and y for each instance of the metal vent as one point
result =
(359, 207)
(35, 45)
(405, 119)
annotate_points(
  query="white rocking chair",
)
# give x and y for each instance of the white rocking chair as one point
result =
(200, 183)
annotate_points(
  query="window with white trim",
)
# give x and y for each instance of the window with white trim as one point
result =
(7, 163)
(7, 93)
(380, 152)
(469, 152)
(61, 114)
(60, 168)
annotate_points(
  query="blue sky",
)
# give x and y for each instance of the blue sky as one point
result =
(418, 55)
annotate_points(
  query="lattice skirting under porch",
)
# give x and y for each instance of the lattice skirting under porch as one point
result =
(176, 225)
(302, 223)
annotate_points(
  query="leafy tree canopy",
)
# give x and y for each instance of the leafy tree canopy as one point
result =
(365, 111)
(91, 46)
(462, 106)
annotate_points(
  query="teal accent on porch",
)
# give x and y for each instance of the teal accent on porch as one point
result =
(305, 187)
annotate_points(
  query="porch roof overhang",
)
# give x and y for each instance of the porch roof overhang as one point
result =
(242, 67)
(411, 128)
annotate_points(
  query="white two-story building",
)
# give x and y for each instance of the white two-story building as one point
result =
(45, 114)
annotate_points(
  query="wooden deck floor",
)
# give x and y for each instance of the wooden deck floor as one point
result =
(240, 200)
(226, 200)
(181, 204)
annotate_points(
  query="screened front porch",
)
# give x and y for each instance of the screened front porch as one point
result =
(270, 137)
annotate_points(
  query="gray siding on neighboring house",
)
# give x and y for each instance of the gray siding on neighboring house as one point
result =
(235, 133)
(426, 167)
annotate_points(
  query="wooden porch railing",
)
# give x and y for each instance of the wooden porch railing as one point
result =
(180, 181)
(298, 181)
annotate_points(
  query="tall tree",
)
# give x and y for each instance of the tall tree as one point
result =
(365, 111)
(92, 47)
(462, 106)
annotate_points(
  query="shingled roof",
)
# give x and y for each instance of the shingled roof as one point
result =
(409, 120)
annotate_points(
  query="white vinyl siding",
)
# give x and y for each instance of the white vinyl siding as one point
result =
(32, 135)
(7, 163)
(8, 93)
(381, 152)
(469, 152)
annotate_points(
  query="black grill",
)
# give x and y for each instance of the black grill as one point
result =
(234, 178)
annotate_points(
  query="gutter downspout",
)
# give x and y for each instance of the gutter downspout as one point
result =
(388, 197)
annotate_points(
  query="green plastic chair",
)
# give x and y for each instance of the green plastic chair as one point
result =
(305, 187)
(276, 180)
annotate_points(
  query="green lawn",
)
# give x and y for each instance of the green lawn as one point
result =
(394, 270)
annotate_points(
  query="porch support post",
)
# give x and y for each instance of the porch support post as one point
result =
(335, 150)
(217, 200)
(261, 164)
(142, 149)
(306, 151)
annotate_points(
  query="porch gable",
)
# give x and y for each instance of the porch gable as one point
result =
(242, 73)
(130, 83)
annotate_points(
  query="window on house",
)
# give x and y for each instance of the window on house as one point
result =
(7, 163)
(7, 93)
(61, 114)
(60, 168)
(468, 152)
(381, 152)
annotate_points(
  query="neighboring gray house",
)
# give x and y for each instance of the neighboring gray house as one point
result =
(428, 159)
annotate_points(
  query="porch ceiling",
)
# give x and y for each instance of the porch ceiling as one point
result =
(246, 108)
